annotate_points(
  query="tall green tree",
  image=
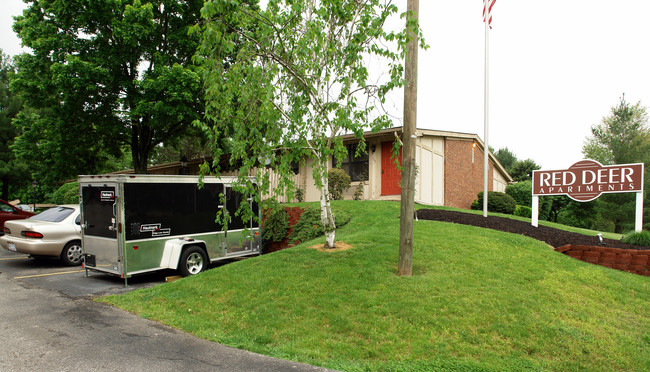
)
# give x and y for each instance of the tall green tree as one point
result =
(12, 171)
(297, 82)
(522, 170)
(506, 158)
(102, 74)
(620, 138)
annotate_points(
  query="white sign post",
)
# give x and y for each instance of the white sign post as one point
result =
(638, 221)
(535, 215)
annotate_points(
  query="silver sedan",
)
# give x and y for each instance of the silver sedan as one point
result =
(53, 232)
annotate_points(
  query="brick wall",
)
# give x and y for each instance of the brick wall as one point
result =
(463, 174)
(294, 216)
(630, 260)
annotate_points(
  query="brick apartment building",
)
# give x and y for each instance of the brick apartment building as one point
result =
(449, 169)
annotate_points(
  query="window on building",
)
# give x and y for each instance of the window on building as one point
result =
(356, 166)
(295, 167)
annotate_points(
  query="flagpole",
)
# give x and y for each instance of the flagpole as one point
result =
(486, 150)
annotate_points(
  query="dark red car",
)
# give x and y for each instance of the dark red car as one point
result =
(9, 212)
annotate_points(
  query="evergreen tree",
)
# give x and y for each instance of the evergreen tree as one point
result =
(622, 137)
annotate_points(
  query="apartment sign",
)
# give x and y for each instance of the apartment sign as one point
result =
(586, 180)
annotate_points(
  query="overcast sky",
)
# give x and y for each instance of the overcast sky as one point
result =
(556, 69)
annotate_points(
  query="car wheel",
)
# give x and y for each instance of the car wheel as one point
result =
(72, 254)
(193, 261)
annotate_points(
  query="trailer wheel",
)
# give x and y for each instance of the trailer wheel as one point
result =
(72, 253)
(193, 261)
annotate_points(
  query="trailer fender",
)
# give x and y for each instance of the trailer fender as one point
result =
(174, 248)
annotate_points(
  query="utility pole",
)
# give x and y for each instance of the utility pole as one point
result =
(405, 264)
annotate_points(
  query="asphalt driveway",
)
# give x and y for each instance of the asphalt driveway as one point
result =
(49, 322)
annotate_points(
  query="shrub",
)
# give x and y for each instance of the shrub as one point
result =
(522, 211)
(276, 226)
(67, 194)
(522, 192)
(310, 227)
(300, 195)
(498, 202)
(358, 192)
(339, 182)
(635, 238)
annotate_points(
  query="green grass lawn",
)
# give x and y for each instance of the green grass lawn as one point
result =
(479, 300)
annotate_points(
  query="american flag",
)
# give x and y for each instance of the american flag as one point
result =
(491, 4)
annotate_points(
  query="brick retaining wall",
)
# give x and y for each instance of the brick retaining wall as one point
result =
(630, 260)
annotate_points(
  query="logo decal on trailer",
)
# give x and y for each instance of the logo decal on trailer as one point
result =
(107, 196)
(150, 227)
(161, 232)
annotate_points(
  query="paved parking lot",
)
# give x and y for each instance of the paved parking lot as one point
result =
(48, 321)
(50, 273)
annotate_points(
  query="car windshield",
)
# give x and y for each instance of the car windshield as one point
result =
(54, 214)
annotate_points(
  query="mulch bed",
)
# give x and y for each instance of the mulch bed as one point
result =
(553, 237)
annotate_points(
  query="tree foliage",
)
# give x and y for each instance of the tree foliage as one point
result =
(12, 171)
(506, 158)
(68, 193)
(519, 170)
(579, 214)
(622, 137)
(103, 74)
(522, 192)
(298, 80)
(522, 170)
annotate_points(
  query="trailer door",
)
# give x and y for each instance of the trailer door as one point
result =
(238, 240)
(100, 227)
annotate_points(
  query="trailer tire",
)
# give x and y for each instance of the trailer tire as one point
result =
(72, 253)
(193, 261)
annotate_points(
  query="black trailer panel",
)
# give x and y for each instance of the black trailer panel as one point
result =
(170, 209)
(142, 223)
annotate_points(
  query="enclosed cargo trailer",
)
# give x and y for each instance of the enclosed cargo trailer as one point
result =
(134, 224)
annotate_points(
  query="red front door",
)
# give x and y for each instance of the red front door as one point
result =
(390, 175)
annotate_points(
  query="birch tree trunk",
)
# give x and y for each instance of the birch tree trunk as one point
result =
(326, 216)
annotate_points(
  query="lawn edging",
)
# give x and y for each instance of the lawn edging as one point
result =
(630, 260)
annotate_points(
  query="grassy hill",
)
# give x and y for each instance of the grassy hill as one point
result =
(479, 300)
